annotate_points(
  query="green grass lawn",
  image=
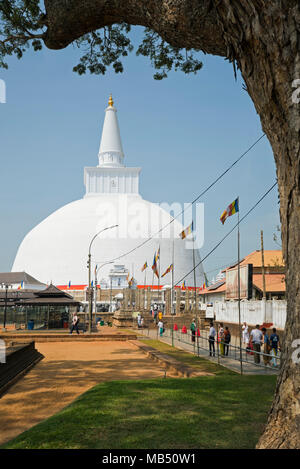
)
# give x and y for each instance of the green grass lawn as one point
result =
(187, 358)
(221, 411)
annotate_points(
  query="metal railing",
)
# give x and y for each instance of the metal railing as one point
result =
(203, 346)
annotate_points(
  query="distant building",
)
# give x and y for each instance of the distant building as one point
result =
(20, 281)
(274, 278)
(45, 308)
(118, 277)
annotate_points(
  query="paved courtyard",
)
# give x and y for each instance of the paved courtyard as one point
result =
(68, 370)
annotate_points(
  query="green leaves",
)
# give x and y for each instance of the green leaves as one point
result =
(22, 25)
(108, 46)
(19, 21)
(165, 57)
(103, 48)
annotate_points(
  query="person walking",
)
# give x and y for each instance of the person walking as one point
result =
(256, 337)
(221, 338)
(193, 330)
(227, 339)
(75, 322)
(266, 347)
(245, 333)
(211, 340)
(155, 311)
(275, 346)
(139, 320)
(160, 326)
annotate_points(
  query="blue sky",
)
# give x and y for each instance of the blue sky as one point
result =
(183, 132)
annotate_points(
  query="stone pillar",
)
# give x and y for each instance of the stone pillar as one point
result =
(178, 298)
(168, 301)
(132, 299)
(148, 297)
(187, 301)
(138, 300)
(126, 299)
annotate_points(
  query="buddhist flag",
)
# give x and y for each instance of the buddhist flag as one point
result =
(144, 266)
(183, 284)
(231, 210)
(157, 255)
(130, 282)
(168, 270)
(69, 283)
(154, 266)
(187, 231)
(21, 285)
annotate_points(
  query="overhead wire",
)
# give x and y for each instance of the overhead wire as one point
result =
(191, 203)
(226, 236)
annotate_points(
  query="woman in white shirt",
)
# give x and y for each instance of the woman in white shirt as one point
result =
(245, 333)
(221, 338)
(160, 326)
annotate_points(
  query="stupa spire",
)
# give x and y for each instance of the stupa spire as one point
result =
(111, 150)
(110, 101)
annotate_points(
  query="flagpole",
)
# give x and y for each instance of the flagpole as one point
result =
(95, 297)
(239, 288)
(145, 288)
(158, 280)
(195, 295)
(172, 294)
(154, 261)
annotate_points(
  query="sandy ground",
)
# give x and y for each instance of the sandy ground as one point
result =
(68, 370)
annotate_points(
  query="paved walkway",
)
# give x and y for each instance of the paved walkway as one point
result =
(231, 362)
(68, 370)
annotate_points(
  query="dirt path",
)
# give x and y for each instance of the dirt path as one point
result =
(68, 370)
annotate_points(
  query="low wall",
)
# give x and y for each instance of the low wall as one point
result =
(19, 359)
(252, 312)
(181, 320)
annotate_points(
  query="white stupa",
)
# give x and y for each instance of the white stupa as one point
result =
(57, 248)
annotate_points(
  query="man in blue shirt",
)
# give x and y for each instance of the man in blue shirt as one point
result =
(267, 347)
(211, 340)
(275, 345)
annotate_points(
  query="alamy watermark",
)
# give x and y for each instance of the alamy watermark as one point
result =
(2, 92)
(296, 353)
(2, 351)
(138, 219)
(296, 93)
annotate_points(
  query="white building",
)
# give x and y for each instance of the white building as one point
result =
(57, 248)
(118, 277)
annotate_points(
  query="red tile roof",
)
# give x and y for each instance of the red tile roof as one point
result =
(275, 283)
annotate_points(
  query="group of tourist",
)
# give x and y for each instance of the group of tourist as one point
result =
(223, 339)
(257, 341)
(261, 341)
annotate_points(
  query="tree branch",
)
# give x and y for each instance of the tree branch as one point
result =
(23, 37)
(188, 24)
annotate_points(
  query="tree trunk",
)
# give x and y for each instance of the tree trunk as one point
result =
(265, 44)
(263, 39)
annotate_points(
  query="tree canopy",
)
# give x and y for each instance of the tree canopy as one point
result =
(23, 25)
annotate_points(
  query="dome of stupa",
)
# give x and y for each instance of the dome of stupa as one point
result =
(56, 250)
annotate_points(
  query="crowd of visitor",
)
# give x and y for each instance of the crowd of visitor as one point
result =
(258, 343)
